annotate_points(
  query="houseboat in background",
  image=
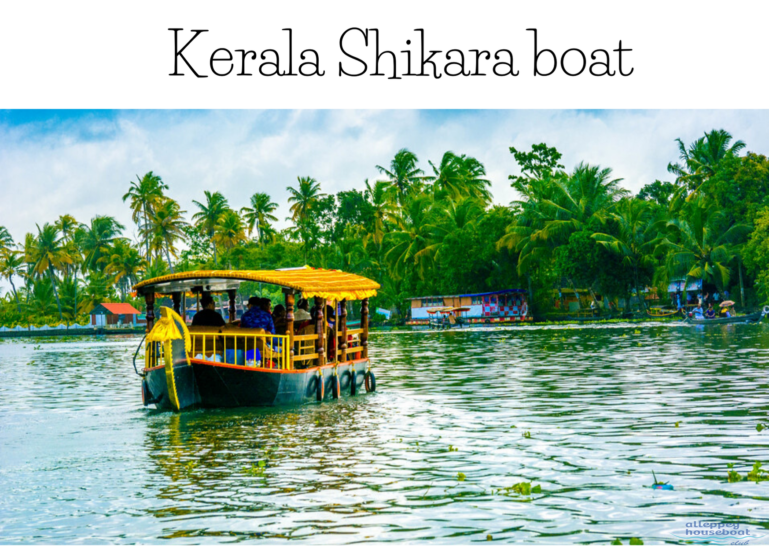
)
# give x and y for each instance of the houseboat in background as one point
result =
(499, 307)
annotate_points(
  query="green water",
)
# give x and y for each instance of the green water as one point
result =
(82, 461)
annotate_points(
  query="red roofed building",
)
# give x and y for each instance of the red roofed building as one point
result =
(111, 314)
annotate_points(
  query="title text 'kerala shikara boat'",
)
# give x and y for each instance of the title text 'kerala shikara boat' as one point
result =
(231, 366)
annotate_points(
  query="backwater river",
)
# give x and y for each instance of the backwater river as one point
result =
(459, 417)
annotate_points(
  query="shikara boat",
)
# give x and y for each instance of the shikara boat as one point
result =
(753, 317)
(658, 312)
(447, 317)
(232, 366)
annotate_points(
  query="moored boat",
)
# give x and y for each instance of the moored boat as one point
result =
(232, 366)
(753, 317)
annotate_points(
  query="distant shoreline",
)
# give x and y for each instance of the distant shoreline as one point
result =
(72, 332)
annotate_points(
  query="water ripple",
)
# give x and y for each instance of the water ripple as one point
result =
(586, 412)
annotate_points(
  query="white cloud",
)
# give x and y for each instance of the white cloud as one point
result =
(83, 166)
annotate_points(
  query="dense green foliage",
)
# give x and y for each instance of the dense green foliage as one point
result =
(427, 232)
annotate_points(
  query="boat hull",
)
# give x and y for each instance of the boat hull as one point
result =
(227, 385)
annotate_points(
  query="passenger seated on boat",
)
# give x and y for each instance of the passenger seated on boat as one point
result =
(710, 313)
(279, 320)
(258, 315)
(697, 312)
(302, 317)
(208, 315)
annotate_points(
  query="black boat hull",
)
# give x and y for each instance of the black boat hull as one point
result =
(213, 384)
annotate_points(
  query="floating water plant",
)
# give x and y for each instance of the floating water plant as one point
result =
(527, 435)
(761, 426)
(633, 542)
(758, 474)
(461, 477)
(452, 448)
(732, 475)
(256, 469)
(523, 488)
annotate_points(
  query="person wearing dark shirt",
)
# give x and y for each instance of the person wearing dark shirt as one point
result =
(279, 320)
(258, 315)
(710, 313)
(208, 315)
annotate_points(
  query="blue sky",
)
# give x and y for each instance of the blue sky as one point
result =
(80, 162)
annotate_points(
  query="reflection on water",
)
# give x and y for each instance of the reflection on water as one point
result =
(586, 412)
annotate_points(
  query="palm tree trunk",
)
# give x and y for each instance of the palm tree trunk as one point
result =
(55, 292)
(16, 294)
(215, 257)
(742, 288)
(531, 295)
(146, 235)
(168, 257)
(639, 295)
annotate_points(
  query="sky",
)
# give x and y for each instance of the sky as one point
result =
(81, 162)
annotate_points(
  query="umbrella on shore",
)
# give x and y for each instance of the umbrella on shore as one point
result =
(727, 303)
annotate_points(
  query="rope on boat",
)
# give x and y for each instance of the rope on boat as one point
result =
(141, 343)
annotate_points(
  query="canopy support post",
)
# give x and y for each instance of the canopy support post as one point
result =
(176, 297)
(231, 296)
(343, 324)
(289, 294)
(149, 300)
(320, 330)
(364, 325)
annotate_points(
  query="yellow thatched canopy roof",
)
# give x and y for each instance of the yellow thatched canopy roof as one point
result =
(323, 283)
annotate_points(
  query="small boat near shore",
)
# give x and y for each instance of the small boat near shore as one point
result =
(753, 317)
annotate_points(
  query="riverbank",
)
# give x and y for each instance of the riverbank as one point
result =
(72, 332)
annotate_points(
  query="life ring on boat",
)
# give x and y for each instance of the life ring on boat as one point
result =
(353, 386)
(320, 390)
(370, 381)
(524, 309)
(335, 389)
(766, 309)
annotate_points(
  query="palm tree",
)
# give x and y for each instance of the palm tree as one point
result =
(11, 263)
(699, 244)
(410, 241)
(554, 207)
(633, 242)
(67, 226)
(125, 264)
(303, 201)
(6, 241)
(145, 195)
(702, 159)
(403, 173)
(49, 256)
(382, 209)
(166, 228)
(95, 240)
(460, 176)
(259, 215)
(229, 231)
(209, 215)
(349, 252)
